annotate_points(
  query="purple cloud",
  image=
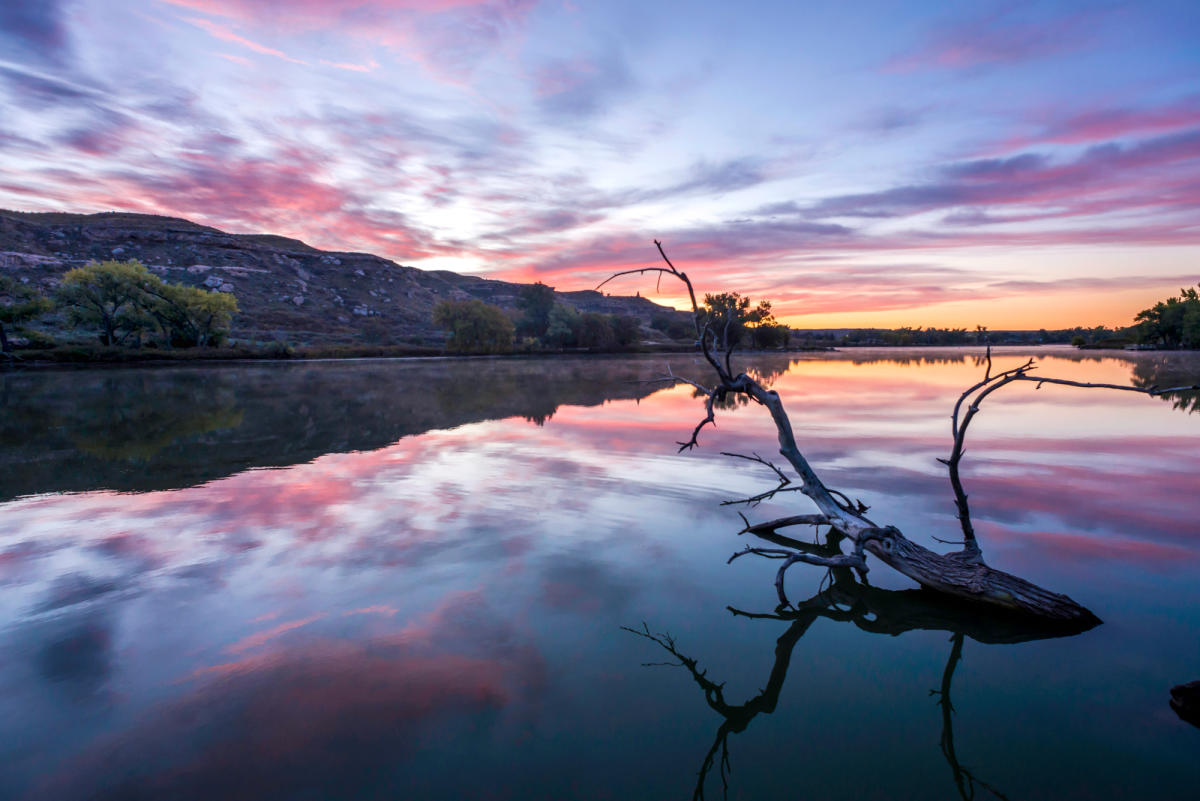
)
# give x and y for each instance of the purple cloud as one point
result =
(1033, 179)
(998, 38)
(34, 32)
(577, 89)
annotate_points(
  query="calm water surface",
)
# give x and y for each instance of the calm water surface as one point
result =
(381, 580)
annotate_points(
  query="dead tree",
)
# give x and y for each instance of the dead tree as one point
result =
(962, 573)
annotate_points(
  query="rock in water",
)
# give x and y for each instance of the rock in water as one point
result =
(1185, 700)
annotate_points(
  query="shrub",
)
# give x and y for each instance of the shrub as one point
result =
(474, 326)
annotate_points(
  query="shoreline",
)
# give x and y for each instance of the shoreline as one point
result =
(99, 357)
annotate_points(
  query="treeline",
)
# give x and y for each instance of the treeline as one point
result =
(1099, 336)
(907, 336)
(540, 323)
(122, 304)
(914, 336)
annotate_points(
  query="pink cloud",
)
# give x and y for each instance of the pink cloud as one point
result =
(256, 640)
(352, 67)
(446, 37)
(1110, 123)
(226, 35)
(245, 62)
(307, 12)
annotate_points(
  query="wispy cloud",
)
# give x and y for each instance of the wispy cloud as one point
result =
(370, 67)
(999, 38)
(226, 35)
(1116, 176)
(581, 88)
(1114, 122)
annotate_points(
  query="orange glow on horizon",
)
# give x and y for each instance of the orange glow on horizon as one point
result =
(1050, 310)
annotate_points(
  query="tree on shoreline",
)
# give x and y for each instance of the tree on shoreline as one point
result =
(535, 301)
(189, 316)
(124, 299)
(734, 321)
(18, 304)
(474, 326)
(105, 295)
(1172, 323)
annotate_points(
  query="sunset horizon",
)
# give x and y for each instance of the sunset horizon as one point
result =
(1030, 166)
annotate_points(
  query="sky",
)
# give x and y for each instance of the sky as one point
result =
(1009, 164)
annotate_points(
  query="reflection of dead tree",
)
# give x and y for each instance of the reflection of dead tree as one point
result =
(964, 779)
(875, 610)
(962, 573)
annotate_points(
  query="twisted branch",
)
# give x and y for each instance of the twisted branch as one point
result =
(976, 395)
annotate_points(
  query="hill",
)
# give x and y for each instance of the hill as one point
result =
(286, 289)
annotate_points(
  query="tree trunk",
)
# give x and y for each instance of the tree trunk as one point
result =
(962, 574)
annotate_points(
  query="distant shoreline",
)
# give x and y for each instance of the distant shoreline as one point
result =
(106, 357)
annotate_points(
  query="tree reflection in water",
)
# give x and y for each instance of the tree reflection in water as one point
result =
(873, 610)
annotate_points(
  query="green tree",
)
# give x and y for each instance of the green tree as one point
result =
(770, 335)
(18, 304)
(535, 302)
(563, 328)
(108, 295)
(1171, 323)
(729, 316)
(627, 329)
(188, 316)
(124, 298)
(1191, 326)
(673, 325)
(474, 326)
(596, 331)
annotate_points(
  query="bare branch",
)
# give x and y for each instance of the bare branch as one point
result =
(783, 479)
(1152, 391)
(784, 522)
(709, 418)
(635, 271)
(976, 394)
(755, 500)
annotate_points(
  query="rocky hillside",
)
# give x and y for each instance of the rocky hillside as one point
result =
(286, 289)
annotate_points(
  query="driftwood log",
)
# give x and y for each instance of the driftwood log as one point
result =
(962, 574)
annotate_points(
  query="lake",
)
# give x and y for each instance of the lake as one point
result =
(408, 579)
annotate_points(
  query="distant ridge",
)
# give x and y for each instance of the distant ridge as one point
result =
(286, 289)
